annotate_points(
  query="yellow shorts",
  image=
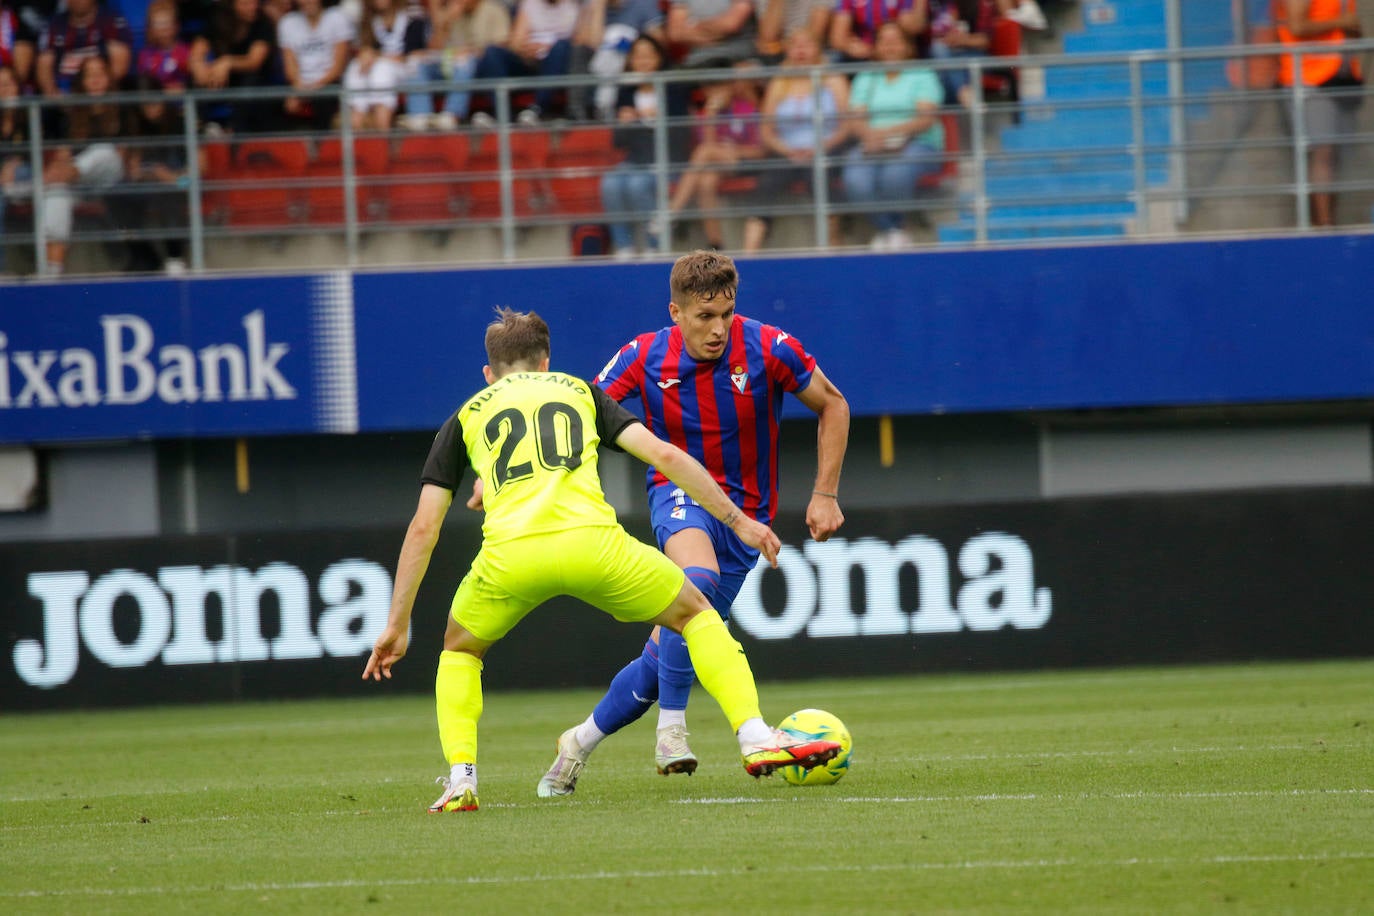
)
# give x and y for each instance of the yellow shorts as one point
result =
(603, 566)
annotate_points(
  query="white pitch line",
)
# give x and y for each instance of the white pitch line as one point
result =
(1138, 752)
(753, 871)
(925, 758)
(1074, 796)
(725, 800)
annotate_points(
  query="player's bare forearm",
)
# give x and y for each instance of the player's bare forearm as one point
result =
(416, 551)
(823, 515)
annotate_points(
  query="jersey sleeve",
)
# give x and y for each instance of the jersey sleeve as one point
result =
(624, 374)
(448, 456)
(611, 418)
(789, 365)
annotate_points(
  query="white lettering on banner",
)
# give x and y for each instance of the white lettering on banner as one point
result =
(249, 371)
(998, 589)
(173, 607)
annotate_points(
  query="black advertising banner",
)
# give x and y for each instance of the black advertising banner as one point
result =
(1082, 582)
(1151, 579)
(169, 620)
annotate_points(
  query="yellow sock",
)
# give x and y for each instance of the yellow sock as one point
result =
(722, 668)
(458, 700)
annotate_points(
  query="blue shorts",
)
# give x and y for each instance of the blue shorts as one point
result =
(672, 511)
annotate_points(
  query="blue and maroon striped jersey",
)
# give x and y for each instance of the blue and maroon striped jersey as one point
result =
(724, 413)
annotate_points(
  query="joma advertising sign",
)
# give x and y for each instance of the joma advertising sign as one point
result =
(1067, 583)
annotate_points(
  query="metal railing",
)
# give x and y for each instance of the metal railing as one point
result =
(1145, 144)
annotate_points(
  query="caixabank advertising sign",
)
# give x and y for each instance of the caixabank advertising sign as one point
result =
(1050, 584)
(157, 359)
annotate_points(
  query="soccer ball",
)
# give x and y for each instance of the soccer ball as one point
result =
(818, 724)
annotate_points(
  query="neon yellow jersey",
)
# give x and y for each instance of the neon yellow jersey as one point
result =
(532, 437)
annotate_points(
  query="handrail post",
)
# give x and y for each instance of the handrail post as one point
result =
(662, 219)
(507, 181)
(820, 188)
(978, 151)
(1138, 142)
(1301, 178)
(40, 242)
(195, 217)
(349, 178)
(1178, 124)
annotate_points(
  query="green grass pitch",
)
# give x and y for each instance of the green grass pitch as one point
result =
(1218, 789)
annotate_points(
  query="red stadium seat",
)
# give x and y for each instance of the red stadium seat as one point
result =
(421, 184)
(576, 162)
(950, 169)
(481, 185)
(262, 186)
(324, 193)
(1004, 40)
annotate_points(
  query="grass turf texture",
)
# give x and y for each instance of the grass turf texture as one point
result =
(1216, 789)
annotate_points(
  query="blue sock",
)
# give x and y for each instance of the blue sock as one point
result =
(631, 693)
(675, 674)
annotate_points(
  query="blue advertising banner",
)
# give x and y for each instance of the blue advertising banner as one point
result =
(1030, 329)
(147, 359)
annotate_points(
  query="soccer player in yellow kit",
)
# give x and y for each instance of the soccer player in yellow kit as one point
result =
(532, 436)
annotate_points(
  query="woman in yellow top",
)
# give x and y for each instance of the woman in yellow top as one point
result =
(1328, 116)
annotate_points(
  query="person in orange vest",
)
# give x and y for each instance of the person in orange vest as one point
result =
(1328, 115)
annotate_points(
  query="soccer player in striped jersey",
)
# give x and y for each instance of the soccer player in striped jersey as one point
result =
(532, 436)
(713, 384)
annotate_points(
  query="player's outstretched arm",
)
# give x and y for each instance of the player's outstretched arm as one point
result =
(685, 471)
(421, 537)
(823, 515)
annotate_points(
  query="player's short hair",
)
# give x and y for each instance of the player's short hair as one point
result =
(703, 276)
(516, 340)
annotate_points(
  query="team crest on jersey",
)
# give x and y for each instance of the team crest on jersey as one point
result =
(680, 513)
(740, 378)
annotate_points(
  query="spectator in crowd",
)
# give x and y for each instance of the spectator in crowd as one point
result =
(777, 18)
(34, 16)
(1025, 13)
(274, 10)
(1331, 81)
(602, 41)
(712, 33)
(854, 27)
(729, 135)
(194, 16)
(164, 61)
(632, 186)
(540, 45)
(80, 31)
(16, 44)
(957, 29)
(236, 53)
(92, 164)
(389, 34)
(897, 122)
(460, 30)
(314, 49)
(14, 155)
(788, 132)
(157, 172)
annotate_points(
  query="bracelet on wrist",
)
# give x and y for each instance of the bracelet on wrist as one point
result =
(823, 493)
